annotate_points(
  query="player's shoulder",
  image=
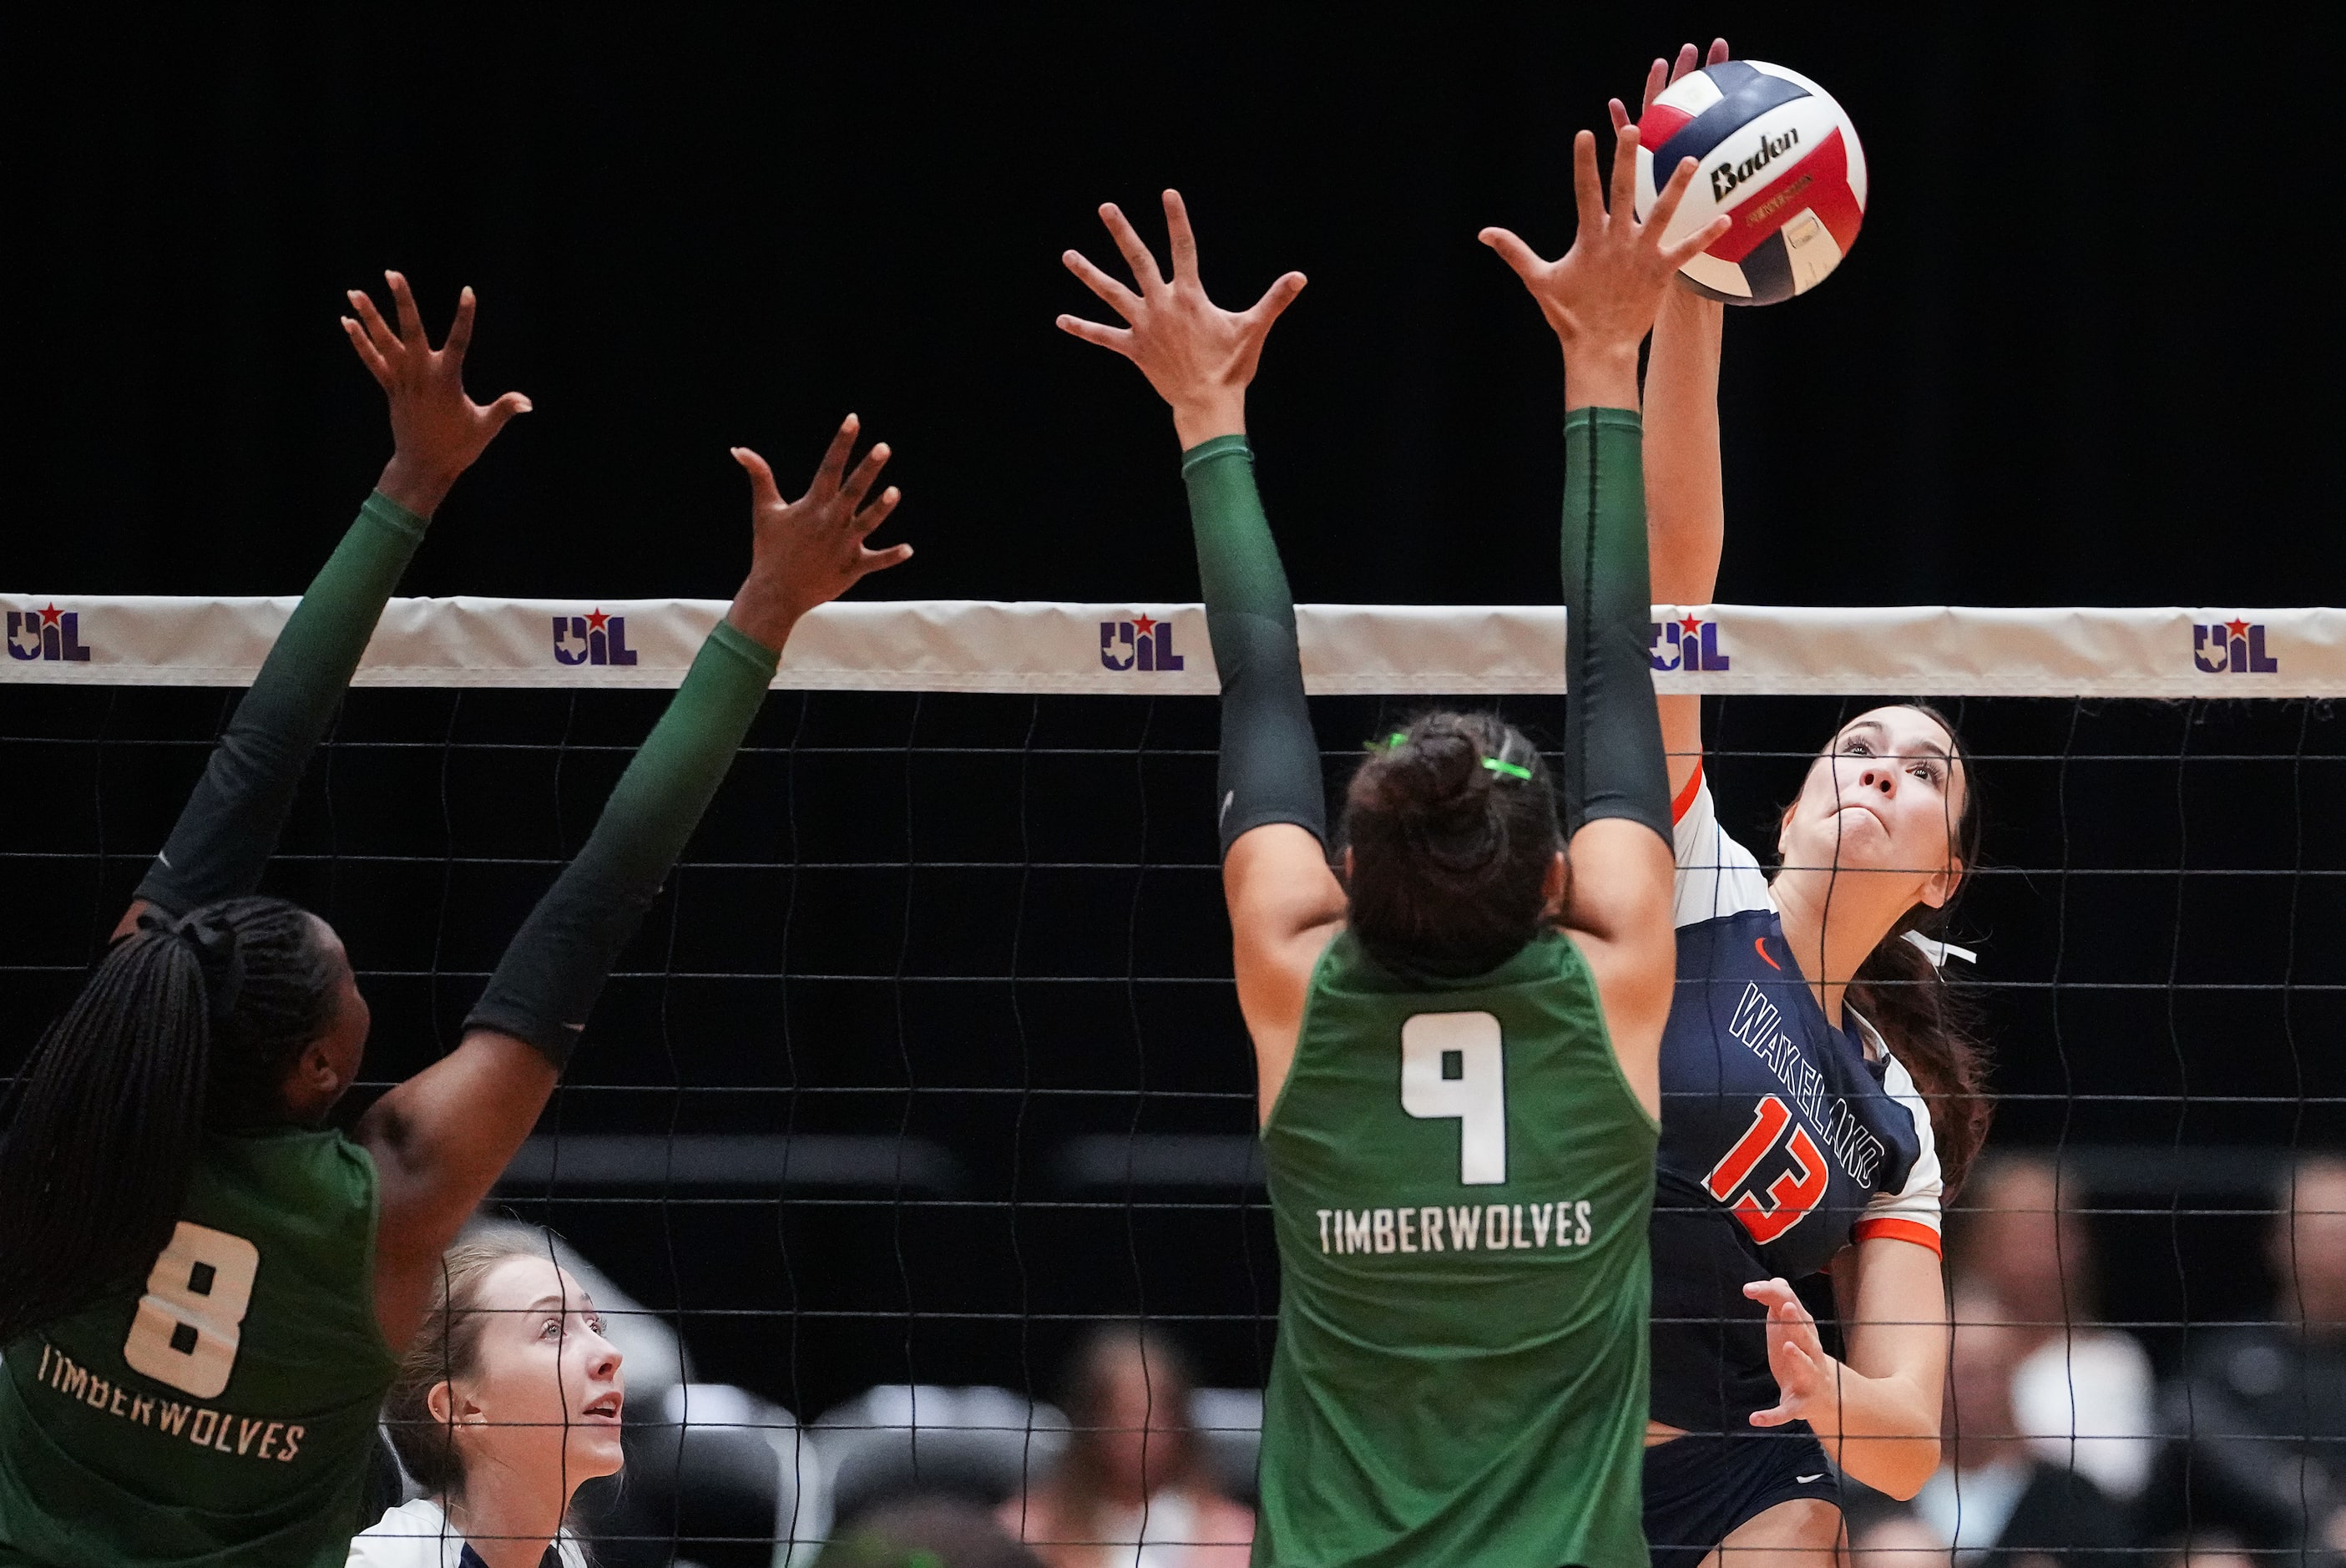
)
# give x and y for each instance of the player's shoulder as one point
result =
(415, 1534)
(1716, 876)
(319, 1166)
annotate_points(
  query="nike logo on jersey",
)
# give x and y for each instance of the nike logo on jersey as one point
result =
(1804, 1480)
(1760, 945)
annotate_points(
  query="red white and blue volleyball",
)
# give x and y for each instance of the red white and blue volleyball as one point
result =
(1774, 152)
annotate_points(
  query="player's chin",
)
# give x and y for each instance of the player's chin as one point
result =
(593, 1450)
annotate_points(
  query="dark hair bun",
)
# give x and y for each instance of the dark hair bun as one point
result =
(1451, 825)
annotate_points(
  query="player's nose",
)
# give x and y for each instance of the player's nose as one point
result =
(1880, 777)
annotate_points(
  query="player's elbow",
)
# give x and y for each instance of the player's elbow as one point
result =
(1916, 1465)
(1895, 1467)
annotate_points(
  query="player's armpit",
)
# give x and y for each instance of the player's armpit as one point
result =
(1285, 906)
(439, 1142)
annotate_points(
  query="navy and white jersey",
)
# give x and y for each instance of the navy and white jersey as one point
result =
(1783, 1138)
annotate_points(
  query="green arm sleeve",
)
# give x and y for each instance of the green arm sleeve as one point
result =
(1613, 762)
(1270, 767)
(231, 824)
(555, 966)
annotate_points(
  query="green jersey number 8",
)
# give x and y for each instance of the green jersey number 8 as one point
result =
(1452, 1069)
(191, 1317)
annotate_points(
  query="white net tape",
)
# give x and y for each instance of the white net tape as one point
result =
(1160, 649)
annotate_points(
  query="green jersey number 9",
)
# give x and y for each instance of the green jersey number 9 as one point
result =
(191, 1317)
(1452, 1069)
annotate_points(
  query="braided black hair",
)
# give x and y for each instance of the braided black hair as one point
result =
(1452, 826)
(209, 1012)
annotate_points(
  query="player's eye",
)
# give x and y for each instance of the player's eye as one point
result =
(594, 1322)
(550, 1329)
(1856, 748)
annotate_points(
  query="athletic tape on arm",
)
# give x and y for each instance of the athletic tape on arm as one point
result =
(232, 819)
(555, 966)
(1269, 766)
(1613, 762)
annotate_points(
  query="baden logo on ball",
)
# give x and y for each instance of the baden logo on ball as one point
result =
(1778, 155)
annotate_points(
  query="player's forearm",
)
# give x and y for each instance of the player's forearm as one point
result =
(1880, 1431)
(1613, 764)
(1269, 766)
(558, 964)
(231, 824)
(1686, 512)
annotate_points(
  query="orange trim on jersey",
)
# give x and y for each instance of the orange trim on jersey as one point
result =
(1685, 802)
(1913, 1230)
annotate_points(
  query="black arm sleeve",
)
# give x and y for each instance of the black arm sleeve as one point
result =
(1613, 763)
(1269, 768)
(230, 826)
(555, 966)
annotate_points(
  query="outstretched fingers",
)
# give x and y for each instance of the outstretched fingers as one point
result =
(867, 472)
(1625, 164)
(1113, 294)
(1135, 254)
(1695, 243)
(1588, 191)
(386, 343)
(1719, 54)
(1658, 76)
(1184, 239)
(410, 320)
(1512, 250)
(763, 493)
(459, 330)
(1667, 199)
(870, 561)
(834, 459)
(1117, 340)
(1276, 298)
(369, 355)
(505, 408)
(872, 516)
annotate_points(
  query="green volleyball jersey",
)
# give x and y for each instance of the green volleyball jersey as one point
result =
(1460, 1183)
(224, 1413)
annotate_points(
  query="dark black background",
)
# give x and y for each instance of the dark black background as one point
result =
(2080, 355)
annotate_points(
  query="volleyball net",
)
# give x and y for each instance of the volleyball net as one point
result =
(927, 1063)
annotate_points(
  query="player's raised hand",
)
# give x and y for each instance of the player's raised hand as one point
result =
(1198, 356)
(1663, 75)
(1808, 1382)
(807, 552)
(436, 431)
(1602, 296)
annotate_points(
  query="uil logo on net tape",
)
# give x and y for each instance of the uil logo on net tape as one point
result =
(592, 638)
(2231, 647)
(1688, 643)
(1139, 644)
(48, 632)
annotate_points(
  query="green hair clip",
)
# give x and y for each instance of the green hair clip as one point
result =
(1391, 742)
(1511, 769)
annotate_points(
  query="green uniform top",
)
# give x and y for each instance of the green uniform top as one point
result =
(1460, 1183)
(223, 1410)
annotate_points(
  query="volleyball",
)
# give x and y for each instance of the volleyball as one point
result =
(1774, 151)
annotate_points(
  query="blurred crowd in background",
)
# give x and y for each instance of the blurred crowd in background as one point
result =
(2067, 1445)
(2064, 1442)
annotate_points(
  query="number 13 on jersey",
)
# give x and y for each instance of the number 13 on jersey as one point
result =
(1452, 1069)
